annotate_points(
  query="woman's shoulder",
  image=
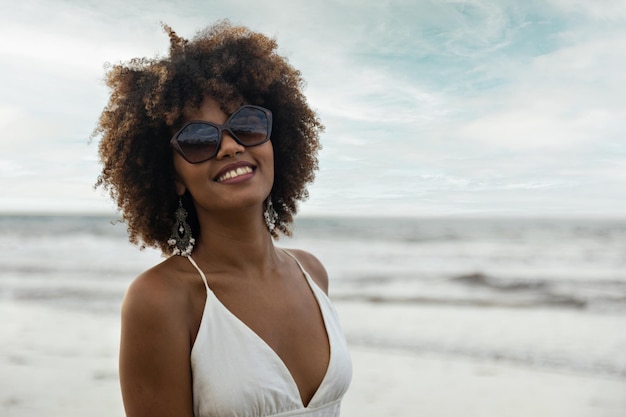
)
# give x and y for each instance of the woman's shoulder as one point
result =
(155, 343)
(313, 266)
(158, 291)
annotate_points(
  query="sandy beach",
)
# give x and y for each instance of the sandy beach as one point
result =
(405, 385)
(61, 362)
(408, 380)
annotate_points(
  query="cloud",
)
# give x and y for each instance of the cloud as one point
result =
(8, 115)
(564, 99)
(518, 129)
(444, 107)
(604, 10)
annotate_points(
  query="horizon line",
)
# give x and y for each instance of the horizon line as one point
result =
(361, 215)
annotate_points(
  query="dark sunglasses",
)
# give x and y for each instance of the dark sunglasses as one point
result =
(199, 141)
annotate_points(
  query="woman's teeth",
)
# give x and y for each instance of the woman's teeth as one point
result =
(234, 173)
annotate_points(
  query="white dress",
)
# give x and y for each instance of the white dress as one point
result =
(237, 374)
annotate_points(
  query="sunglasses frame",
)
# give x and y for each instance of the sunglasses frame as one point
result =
(220, 129)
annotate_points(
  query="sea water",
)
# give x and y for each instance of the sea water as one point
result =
(540, 292)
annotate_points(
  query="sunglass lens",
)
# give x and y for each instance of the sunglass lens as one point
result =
(250, 125)
(198, 141)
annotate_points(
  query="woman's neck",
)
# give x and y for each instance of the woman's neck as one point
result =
(234, 240)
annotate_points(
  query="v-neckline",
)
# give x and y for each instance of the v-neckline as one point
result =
(266, 346)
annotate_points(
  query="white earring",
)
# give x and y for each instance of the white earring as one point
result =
(270, 215)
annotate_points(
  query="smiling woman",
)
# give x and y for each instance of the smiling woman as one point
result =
(207, 152)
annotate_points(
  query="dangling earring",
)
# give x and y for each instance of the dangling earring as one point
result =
(181, 240)
(270, 215)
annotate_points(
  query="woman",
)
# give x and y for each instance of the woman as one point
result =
(207, 152)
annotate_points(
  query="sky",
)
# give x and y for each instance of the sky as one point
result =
(431, 108)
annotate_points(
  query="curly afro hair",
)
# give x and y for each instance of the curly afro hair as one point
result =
(233, 65)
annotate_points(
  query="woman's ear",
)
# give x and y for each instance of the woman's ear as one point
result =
(180, 187)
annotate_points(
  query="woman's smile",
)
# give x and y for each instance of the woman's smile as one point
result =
(235, 173)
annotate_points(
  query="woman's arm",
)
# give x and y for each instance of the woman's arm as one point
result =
(155, 373)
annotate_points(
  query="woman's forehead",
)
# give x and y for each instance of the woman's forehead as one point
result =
(210, 103)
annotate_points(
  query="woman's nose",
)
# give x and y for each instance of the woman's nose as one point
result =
(229, 147)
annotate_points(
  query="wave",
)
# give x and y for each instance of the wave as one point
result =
(555, 361)
(32, 226)
(409, 230)
(482, 290)
(557, 301)
(89, 271)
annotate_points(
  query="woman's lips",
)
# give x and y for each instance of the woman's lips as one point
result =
(236, 172)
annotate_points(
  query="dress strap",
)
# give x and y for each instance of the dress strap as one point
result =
(297, 261)
(206, 285)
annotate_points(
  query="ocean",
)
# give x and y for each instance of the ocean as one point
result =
(541, 293)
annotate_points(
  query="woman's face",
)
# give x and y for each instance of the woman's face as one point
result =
(237, 177)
